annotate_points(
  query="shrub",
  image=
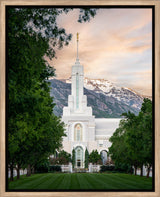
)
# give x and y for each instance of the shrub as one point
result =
(94, 157)
(122, 167)
(119, 167)
(107, 168)
(55, 168)
(42, 168)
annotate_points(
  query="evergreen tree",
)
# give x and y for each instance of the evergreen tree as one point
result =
(86, 158)
(73, 157)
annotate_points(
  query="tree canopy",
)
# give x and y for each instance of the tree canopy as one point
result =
(95, 157)
(132, 141)
(34, 132)
(86, 158)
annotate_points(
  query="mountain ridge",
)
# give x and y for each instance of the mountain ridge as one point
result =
(106, 99)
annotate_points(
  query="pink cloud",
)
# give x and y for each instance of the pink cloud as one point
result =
(107, 43)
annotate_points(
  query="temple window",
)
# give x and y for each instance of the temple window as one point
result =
(78, 132)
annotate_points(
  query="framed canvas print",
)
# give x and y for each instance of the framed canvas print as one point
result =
(79, 98)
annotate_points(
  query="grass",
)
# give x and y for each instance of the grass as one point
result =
(81, 181)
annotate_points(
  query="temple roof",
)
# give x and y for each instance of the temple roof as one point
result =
(106, 126)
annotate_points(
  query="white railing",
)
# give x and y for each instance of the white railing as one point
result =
(22, 172)
(145, 170)
(94, 168)
(66, 168)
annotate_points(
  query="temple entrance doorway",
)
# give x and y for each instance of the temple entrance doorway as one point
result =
(79, 157)
(104, 156)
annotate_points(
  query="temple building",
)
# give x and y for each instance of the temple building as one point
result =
(82, 129)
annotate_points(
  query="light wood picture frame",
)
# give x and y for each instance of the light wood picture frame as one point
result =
(4, 3)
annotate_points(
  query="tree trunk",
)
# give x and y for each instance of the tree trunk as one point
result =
(135, 170)
(11, 169)
(131, 170)
(28, 170)
(18, 171)
(148, 171)
(32, 169)
(141, 170)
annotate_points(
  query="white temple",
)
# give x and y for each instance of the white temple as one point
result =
(82, 129)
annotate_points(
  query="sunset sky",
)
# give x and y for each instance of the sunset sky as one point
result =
(115, 45)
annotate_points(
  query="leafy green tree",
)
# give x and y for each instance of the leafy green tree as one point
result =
(86, 158)
(132, 141)
(118, 150)
(146, 129)
(33, 131)
(94, 157)
(65, 155)
(73, 157)
(127, 141)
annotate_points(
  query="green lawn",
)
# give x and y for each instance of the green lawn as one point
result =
(81, 181)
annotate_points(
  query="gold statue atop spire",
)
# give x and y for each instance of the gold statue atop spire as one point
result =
(77, 46)
(77, 36)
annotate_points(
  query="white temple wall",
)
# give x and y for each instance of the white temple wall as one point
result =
(92, 145)
(67, 146)
(91, 133)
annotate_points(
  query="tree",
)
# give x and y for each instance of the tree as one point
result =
(94, 157)
(64, 157)
(86, 158)
(118, 150)
(127, 141)
(147, 133)
(132, 141)
(65, 154)
(73, 157)
(33, 130)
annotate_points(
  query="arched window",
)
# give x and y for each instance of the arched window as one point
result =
(104, 156)
(79, 157)
(78, 132)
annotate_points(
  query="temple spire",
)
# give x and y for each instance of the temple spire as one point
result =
(77, 46)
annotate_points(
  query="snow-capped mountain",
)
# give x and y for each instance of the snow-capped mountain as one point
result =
(122, 94)
(106, 99)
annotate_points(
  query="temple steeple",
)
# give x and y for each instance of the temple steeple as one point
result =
(77, 101)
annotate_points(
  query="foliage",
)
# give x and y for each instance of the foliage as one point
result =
(119, 167)
(42, 167)
(73, 157)
(62, 158)
(104, 168)
(94, 157)
(65, 155)
(122, 167)
(86, 158)
(34, 132)
(42, 22)
(55, 168)
(132, 141)
(147, 134)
